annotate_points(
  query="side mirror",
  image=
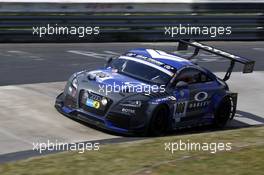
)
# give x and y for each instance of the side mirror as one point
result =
(181, 84)
(108, 61)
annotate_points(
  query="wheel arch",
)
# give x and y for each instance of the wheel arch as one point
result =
(230, 99)
(169, 112)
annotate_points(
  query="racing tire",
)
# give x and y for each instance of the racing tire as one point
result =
(222, 113)
(159, 121)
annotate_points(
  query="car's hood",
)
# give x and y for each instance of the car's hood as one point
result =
(111, 77)
(108, 82)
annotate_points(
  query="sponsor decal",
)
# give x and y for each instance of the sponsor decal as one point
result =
(216, 50)
(93, 103)
(180, 107)
(126, 110)
(198, 105)
(163, 55)
(169, 98)
(180, 110)
(201, 96)
(153, 63)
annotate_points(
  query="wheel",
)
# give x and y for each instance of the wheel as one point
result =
(159, 121)
(222, 113)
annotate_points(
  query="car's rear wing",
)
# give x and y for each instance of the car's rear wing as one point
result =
(248, 64)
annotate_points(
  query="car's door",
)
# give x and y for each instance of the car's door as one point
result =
(198, 93)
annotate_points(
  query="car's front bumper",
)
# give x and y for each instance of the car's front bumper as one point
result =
(93, 119)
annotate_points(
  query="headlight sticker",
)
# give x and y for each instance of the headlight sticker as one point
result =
(93, 103)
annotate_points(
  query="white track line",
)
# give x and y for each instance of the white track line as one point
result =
(259, 49)
(248, 121)
(89, 54)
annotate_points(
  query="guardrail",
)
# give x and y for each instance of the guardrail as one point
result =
(130, 22)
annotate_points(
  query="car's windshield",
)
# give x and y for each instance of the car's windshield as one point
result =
(140, 71)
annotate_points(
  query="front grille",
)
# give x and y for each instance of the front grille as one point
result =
(84, 95)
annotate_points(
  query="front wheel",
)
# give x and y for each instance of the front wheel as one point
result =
(222, 113)
(159, 121)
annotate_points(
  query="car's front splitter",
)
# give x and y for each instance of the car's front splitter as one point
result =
(97, 121)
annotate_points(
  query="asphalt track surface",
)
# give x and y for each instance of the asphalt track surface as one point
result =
(32, 75)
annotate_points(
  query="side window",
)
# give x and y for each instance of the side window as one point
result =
(191, 76)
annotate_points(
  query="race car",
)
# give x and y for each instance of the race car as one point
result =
(147, 91)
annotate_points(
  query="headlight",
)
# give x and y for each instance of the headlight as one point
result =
(74, 83)
(104, 101)
(134, 103)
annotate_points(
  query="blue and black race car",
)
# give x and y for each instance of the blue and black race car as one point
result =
(150, 91)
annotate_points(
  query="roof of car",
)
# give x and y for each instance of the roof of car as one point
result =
(164, 57)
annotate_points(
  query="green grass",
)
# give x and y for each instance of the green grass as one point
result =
(149, 157)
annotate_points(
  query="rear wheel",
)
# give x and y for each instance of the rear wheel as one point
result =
(222, 113)
(159, 121)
